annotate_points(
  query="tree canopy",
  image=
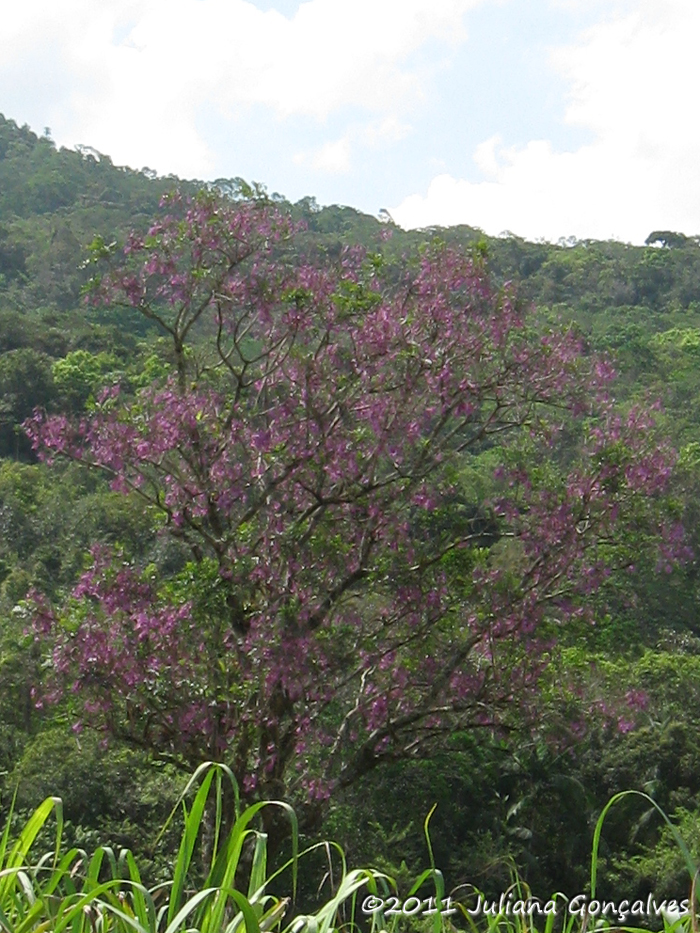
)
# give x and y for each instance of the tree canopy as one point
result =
(598, 696)
(338, 609)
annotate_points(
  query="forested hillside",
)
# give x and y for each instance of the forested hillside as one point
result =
(605, 694)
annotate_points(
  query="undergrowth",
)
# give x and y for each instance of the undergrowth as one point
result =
(221, 883)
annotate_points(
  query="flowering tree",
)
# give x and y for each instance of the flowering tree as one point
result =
(339, 609)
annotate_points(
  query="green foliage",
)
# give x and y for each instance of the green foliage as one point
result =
(74, 891)
(106, 786)
(49, 519)
(25, 383)
(533, 804)
(80, 374)
(232, 887)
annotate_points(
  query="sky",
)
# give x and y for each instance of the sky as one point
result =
(548, 119)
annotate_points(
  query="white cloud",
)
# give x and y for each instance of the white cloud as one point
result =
(131, 76)
(337, 53)
(380, 133)
(335, 156)
(634, 85)
(486, 158)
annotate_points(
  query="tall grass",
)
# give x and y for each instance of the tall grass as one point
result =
(70, 891)
(580, 921)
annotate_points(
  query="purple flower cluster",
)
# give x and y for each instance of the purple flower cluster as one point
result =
(295, 455)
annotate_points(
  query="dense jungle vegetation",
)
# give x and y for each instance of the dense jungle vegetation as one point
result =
(525, 794)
